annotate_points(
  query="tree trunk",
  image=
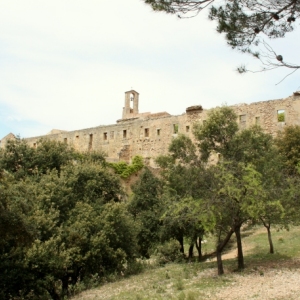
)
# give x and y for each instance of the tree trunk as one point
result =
(237, 231)
(268, 226)
(219, 261)
(180, 240)
(220, 248)
(270, 240)
(199, 248)
(191, 250)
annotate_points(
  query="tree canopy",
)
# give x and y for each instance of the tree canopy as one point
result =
(62, 221)
(224, 178)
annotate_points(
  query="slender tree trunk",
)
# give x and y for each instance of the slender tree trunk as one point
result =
(241, 264)
(268, 226)
(199, 248)
(191, 250)
(180, 240)
(270, 240)
(219, 261)
(220, 248)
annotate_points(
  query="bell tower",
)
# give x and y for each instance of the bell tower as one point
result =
(131, 108)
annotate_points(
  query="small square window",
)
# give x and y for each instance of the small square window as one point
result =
(124, 134)
(158, 132)
(187, 128)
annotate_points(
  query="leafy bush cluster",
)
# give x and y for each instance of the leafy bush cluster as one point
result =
(126, 170)
(168, 252)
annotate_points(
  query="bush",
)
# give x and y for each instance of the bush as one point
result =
(125, 170)
(134, 267)
(168, 252)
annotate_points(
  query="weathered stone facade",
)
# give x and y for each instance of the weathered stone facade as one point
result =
(149, 135)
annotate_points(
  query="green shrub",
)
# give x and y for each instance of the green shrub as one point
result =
(119, 167)
(125, 170)
(134, 267)
(168, 252)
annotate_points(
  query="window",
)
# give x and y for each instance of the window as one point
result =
(175, 128)
(158, 132)
(146, 132)
(242, 119)
(105, 136)
(34, 145)
(257, 120)
(77, 137)
(281, 115)
(91, 142)
(124, 134)
(112, 135)
(65, 140)
(187, 128)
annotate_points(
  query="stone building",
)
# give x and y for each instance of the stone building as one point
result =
(149, 134)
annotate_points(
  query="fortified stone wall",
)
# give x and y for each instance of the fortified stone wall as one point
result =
(266, 113)
(149, 135)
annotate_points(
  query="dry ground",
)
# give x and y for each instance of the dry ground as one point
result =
(264, 279)
(277, 283)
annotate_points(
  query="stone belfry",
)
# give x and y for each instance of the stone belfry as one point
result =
(131, 108)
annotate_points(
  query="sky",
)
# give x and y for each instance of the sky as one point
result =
(66, 64)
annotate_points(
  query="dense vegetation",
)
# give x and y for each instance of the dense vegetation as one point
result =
(62, 221)
(66, 222)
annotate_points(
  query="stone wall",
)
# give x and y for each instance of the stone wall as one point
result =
(265, 113)
(149, 135)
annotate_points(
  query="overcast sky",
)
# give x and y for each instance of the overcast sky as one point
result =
(66, 64)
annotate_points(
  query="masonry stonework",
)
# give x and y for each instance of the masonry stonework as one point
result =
(149, 135)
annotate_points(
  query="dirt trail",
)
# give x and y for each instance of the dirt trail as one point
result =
(246, 247)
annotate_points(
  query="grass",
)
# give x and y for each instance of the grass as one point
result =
(189, 281)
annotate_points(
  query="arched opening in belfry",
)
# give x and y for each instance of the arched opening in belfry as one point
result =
(131, 97)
